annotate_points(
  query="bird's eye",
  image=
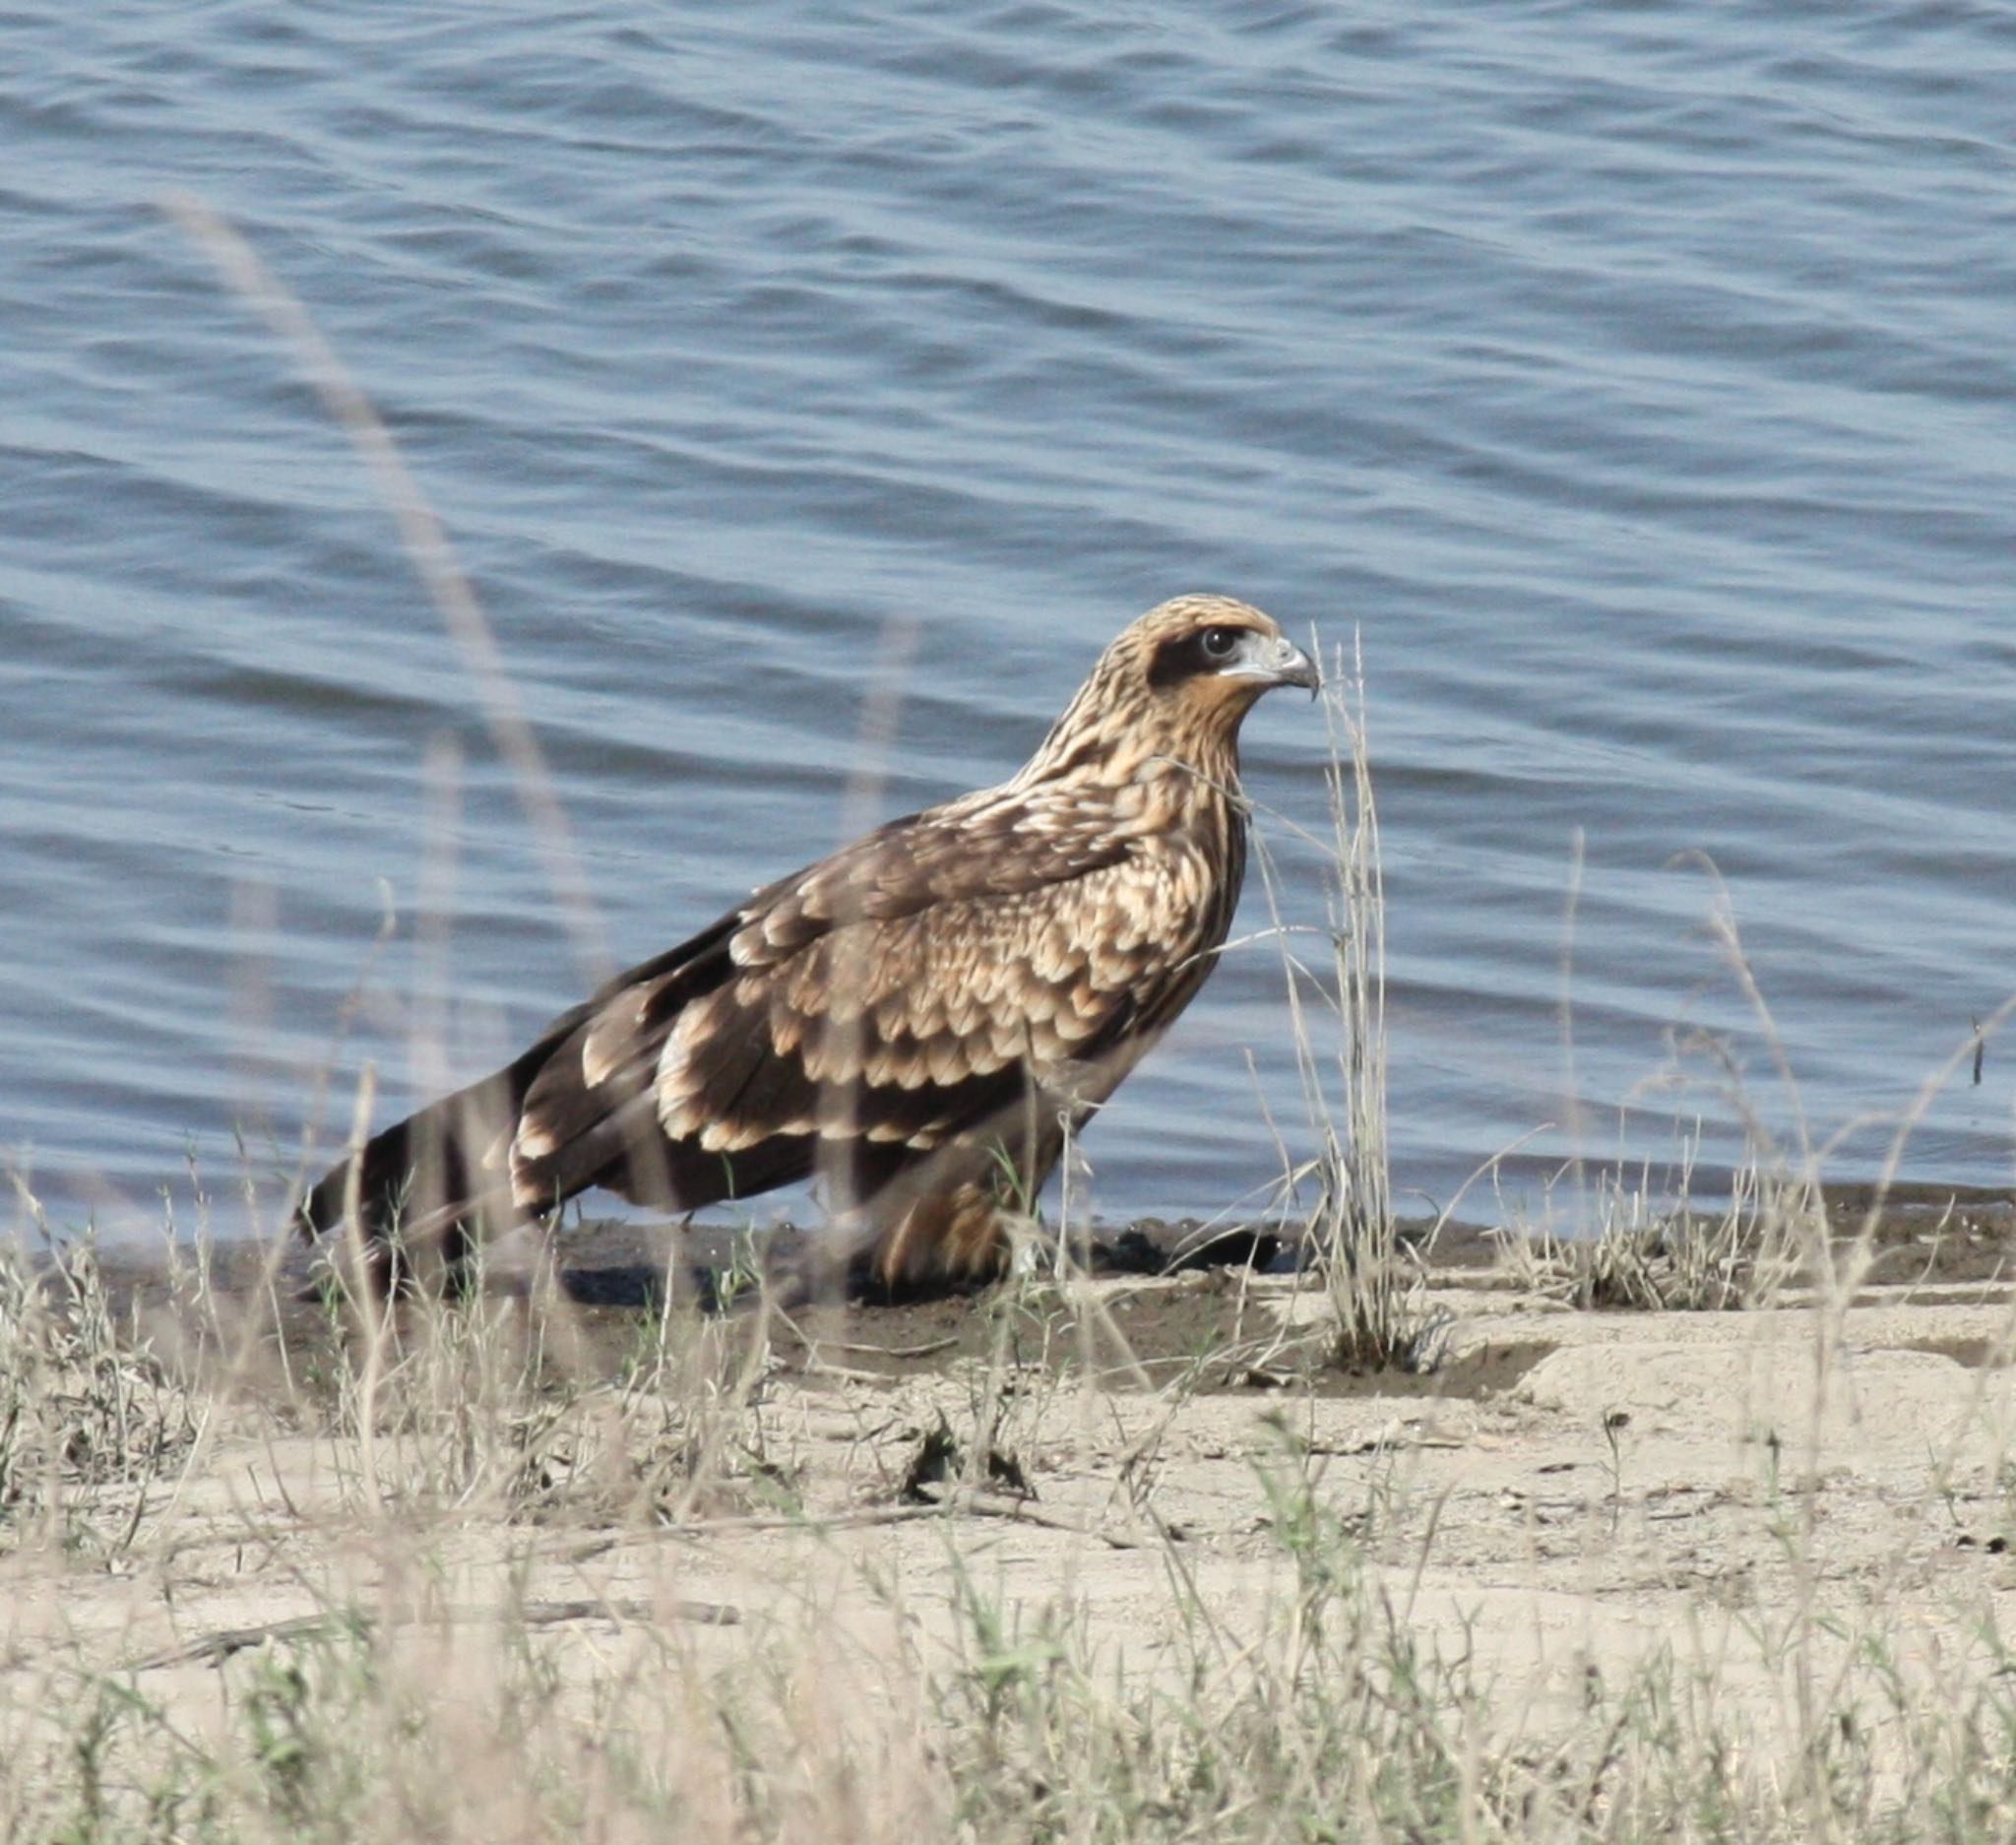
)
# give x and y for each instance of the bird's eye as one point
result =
(1220, 643)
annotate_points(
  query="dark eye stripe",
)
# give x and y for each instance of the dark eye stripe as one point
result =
(1184, 656)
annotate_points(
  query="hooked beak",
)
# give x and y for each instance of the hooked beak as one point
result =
(1279, 663)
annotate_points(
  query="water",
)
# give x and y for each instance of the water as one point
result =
(1641, 381)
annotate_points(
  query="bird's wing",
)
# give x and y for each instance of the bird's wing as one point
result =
(920, 991)
(900, 990)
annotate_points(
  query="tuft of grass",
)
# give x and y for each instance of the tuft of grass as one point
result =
(88, 1410)
(507, 1403)
(1674, 1255)
(1374, 1287)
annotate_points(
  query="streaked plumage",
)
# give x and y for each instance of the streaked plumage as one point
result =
(912, 1020)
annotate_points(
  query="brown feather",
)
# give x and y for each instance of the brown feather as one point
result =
(915, 1019)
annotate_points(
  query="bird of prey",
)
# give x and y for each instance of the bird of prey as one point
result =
(917, 1021)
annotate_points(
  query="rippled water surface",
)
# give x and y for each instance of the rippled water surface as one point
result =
(1640, 381)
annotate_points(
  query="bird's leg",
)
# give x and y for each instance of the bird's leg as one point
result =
(948, 1237)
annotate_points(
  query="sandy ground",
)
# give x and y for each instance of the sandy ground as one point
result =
(1569, 1493)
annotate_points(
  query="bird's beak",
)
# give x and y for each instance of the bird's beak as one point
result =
(1279, 663)
(1297, 668)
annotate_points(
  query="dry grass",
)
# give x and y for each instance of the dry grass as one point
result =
(85, 1405)
(1665, 1254)
(1338, 1016)
(440, 1672)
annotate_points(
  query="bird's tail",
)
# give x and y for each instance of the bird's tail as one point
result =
(419, 1196)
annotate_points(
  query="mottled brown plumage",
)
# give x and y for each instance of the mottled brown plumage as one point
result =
(913, 1021)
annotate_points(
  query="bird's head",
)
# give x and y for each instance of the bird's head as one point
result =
(1178, 682)
(1211, 657)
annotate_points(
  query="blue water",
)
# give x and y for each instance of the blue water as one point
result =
(811, 392)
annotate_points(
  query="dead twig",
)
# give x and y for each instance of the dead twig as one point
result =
(928, 1349)
(951, 1504)
(214, 1648)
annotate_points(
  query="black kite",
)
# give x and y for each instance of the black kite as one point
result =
(915, 1021)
